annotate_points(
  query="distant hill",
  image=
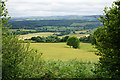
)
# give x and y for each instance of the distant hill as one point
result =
(69, 17)
(87, 22)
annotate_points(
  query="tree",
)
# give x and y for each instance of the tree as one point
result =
(18, 60)
(73, 41)
(64, 39)
(107, 41)
(85, 39)
(4, 16)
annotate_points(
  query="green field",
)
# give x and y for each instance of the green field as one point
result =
(81, 31)
(83, 24)
(27, 36)
(21, 29)
(45, 34)
(55, 51)
(76, 35)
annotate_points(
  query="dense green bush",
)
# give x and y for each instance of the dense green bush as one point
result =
(64, 39)
(73, 41)
(49, 39)
(107, 41)
(69, 69)
(18, 60)
(85, 39)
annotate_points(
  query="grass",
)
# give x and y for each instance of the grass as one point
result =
(81, 31)
(60, 51)
(28, 30)
(19, 20)
(76, 35)
(21, 29)
(27, 36)
(12, 29)
(45, 34)
(83, 24)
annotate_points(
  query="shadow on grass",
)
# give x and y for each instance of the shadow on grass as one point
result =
(67, 47)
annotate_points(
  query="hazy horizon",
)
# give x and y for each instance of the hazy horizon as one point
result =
(45, 8)
(52, 16)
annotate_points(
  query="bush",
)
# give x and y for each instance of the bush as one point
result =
(73, 41)
(64, 39)
(48, 39)
(19, 61)
(85, 39)
(107, 41)
(68, 69)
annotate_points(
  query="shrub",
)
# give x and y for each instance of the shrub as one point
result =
(18, 59)
(68, 69)
(107, 40)
(73, 41)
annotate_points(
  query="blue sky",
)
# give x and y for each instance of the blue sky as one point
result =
(25, 8)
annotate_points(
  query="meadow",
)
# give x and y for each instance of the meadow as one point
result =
(83, 24)
(27, 36)
(60, 51)
(81, 31)
(76, 35)
(21, 29)
(46, 34)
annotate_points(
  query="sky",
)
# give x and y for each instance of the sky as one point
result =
(26, 8)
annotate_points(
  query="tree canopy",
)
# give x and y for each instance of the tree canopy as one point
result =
(107, 41)
(73, 41)
(18, 60)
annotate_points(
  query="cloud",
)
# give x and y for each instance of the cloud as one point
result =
(21, 8)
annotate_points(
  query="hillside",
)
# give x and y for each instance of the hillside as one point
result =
(59, 21)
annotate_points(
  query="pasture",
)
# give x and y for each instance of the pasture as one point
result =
(83, 24)
(81, 31)
(76, 35)
(27, 36)
(21, 29)
(55, 51)
(45, 34)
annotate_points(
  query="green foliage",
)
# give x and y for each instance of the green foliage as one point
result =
(46, 39)
(107, 40)
(41, 24)
(85, 39)
(73, 41)
(64, 39)
(18, 60)
(64, 32)
(4, 16)
(68, 69)
(117, 3)
(49, 39)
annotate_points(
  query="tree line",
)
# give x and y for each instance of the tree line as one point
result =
(49, 39)
(54, 39)
(31, 24)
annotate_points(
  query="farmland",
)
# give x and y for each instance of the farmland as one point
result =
(27, 36)
(76, 35)
(45, 34)
(21, 29)
(55, 51)
(49, 37)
